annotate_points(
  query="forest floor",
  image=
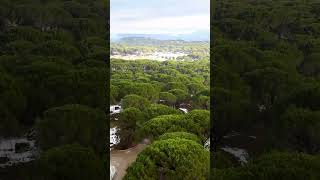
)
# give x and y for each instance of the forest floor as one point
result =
(122, 159)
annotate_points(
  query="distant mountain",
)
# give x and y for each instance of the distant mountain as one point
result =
(151, 36)
(147, 41)
(195, 36)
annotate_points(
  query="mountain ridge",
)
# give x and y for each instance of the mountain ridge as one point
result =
(195, 36)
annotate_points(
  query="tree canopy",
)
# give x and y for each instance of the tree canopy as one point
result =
(54, 83)
(73, 123)
(275, 165)
(69, 162)
(266, 84)
(182, 135)
(171, 159)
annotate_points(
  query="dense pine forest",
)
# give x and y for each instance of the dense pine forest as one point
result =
(53, 87)
(265, 90)
(166, 103)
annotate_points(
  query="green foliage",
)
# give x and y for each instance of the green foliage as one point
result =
(168, 98)
(181, 95)
(73, 123)
(70, 162)
(168, 123)
(194, 88)
(266, 82)
(202, 119)
(305, 96)
(155, 110)
(51, 54)
(301, 129)
(196, 122)
(42, 47)
(21, 47)
(145, 90)
(275, 165)
(114, 92)
(135, 101)
(12, 104)
(181, 135)
(222, 160)
(159, 80)
(264, 60)
(202, 102)
(175, 85)
(58, 48)
(171, 159)
(129, 121)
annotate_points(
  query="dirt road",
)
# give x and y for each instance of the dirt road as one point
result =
(121, 159)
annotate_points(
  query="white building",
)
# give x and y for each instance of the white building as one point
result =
(168, 55)
(158, 56)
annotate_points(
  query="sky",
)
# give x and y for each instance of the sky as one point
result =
(170, 17)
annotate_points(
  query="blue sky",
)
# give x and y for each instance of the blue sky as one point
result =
(170, 17)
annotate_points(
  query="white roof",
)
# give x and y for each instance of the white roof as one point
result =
(7, 149)
(241, 154)
(114, 139)
(184, 110)
(115, 109)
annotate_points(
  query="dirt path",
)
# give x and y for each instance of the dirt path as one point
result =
(121, 159)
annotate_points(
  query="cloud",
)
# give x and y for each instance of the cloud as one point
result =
(163, 25)
(159, 17)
